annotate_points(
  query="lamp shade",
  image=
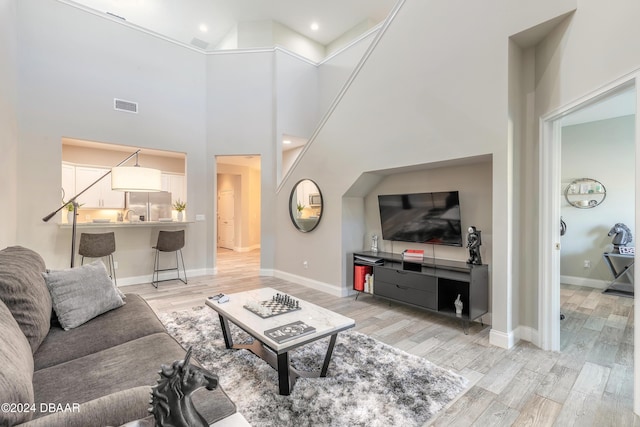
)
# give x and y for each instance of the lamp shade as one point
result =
(135, 179)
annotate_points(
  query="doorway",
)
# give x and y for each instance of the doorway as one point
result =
(237, 207)
(552, 197)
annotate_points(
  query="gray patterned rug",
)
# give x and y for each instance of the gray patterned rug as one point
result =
(368, 383)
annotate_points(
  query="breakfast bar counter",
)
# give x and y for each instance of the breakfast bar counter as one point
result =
(127, 224)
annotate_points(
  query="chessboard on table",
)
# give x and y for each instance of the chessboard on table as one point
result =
(277, 305)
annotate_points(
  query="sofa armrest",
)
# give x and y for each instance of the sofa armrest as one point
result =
(112, 410)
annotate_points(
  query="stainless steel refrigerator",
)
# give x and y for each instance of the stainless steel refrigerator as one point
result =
(152, 206)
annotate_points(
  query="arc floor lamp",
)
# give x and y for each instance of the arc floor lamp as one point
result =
(123, 178)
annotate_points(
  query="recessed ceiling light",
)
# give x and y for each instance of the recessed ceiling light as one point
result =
(286, 141)
(315, 26)
(203, 28)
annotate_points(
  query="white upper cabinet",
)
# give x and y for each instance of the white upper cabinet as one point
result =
(100, 196)
(68, 181)
(176, 185)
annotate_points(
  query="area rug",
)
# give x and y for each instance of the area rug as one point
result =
(368, 382)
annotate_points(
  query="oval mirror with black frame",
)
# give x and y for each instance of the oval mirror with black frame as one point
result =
(305, 205)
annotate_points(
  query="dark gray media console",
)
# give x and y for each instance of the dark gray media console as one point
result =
(432, 284)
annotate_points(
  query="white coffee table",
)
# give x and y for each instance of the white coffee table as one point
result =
(326, 322)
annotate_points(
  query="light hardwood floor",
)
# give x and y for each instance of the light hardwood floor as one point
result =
(588, 383)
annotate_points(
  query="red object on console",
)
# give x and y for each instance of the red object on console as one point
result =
(359, 274)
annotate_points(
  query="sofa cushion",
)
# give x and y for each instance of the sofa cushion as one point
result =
(111, 410)
(133, 320)
(16, 364)
(25, 293)
(132, 364)
(79, 294)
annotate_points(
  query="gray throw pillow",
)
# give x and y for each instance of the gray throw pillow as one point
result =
(82, 293)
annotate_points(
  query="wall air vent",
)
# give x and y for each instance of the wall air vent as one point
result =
(127, 106)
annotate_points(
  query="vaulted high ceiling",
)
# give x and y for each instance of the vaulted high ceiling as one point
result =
(211, 20)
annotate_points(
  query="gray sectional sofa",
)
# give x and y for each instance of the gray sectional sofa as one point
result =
(95, 374)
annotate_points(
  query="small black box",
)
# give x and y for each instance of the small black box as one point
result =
(411, 266)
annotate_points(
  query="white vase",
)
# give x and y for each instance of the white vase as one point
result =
(181, 216)
(69, 217)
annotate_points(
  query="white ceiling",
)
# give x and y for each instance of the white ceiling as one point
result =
(180, 19)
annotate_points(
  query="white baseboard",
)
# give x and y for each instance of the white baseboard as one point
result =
(584, 281)
(139, 280)
(526, 333)
(268, 272)
(310, 283)
(247, 248)
(502, 339)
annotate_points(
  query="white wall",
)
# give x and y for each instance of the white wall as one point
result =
(241, 121)
(350, 35)
(588, 50)
(334, 71)
(297, 90)
(296, 42)
(473, 183)
(268, 33)
(605, 151)
(8, 124)
(72, 64)
(434, 89)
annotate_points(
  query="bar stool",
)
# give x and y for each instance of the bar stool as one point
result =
(169, 241)
(99, 245)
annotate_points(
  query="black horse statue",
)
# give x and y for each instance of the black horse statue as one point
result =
(622, 236)
(171, 397)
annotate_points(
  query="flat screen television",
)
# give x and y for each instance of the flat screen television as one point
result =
(432, 218)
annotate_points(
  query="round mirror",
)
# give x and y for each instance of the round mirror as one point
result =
(585, 193)
(305, 205)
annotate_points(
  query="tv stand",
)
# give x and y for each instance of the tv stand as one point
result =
(431, 285)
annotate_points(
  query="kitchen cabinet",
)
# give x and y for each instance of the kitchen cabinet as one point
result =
(175, 184)
(100, 196)
(68, 181)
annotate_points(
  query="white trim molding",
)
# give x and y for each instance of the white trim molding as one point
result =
(502, 339)
(584, 281)
(313, 284)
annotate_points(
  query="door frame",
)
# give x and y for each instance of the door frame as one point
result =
(549, 213)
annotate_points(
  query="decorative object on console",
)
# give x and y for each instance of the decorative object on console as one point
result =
(374, 243)
(415, 255)
(474, 240)
(458, 304)
(171, 397)
(132, 178)
(627, 250)
(622, 236)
